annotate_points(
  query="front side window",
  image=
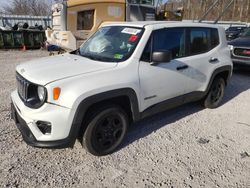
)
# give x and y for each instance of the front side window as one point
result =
(171, 39)
(85, 20)
(112, 43)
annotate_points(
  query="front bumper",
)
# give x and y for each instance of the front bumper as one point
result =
(26, 118)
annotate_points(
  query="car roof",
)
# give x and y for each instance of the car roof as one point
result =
(161, 24)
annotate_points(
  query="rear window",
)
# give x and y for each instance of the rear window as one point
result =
(85, 20)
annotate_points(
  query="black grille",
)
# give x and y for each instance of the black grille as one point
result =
(22, 87)
(243, 52)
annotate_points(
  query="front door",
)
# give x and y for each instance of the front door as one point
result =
(163, 81)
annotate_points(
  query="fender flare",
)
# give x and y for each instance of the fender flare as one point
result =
(226, 68)
(89, 101)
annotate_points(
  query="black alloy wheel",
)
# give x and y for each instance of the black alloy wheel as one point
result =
(105, 131)
(215, 94)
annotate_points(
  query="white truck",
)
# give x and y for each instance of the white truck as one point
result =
(121, 74)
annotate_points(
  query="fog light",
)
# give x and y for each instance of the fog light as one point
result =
(44, 127)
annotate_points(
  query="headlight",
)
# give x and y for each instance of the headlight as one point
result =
(231, 47)
(41, 92)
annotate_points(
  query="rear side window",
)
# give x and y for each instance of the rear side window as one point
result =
(199, 40)
(203, 40)
(181, 41)
(85, 20)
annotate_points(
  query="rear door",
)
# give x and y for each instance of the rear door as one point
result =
(203, 57)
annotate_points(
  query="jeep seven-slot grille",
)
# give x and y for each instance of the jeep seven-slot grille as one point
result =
(243, 52)
(22, 87)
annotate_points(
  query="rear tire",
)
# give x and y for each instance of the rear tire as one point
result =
(215, 94)
(105, 131)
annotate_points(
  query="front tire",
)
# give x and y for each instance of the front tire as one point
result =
(215, 94)
(105, 130)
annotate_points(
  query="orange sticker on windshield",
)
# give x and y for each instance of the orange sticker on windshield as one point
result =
(133, 38)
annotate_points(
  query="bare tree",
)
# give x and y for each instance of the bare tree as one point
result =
(29, 7)
(194, 9)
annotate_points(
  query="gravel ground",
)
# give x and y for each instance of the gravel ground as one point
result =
(185, 147)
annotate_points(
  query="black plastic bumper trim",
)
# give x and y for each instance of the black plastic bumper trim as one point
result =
(30, 139)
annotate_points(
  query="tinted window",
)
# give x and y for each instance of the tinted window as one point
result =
(203, 40)
(85, 20)
(199, 40)
(214, 38)
(166, 39)
(172, 39)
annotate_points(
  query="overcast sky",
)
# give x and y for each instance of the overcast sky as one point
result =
(3, 2)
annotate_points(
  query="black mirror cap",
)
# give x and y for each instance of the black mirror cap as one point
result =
(163, 56)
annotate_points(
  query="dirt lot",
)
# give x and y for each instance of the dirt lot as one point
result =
(186, 147)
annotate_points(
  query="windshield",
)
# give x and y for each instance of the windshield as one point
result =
(246, 33)
(112, 44)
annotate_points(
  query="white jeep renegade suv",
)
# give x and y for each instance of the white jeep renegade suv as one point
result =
(123, 73)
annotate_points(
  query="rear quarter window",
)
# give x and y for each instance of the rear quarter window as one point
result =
(214, 38)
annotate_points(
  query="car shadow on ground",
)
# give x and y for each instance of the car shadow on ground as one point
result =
(151, 124)
(239, 83)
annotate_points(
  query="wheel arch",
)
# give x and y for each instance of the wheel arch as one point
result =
(224, 72)
(118, 97)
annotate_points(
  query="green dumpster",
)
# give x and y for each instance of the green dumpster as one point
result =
(28, 39)
(18, 39)
(8, 39)
(37, 39)
(1, 40)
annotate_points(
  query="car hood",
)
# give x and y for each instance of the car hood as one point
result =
(50, 69)
(240, 42)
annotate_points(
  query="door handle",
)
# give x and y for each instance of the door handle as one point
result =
(182, 67)
(213, 60)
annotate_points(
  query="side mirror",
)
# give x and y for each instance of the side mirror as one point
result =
(163, 56)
